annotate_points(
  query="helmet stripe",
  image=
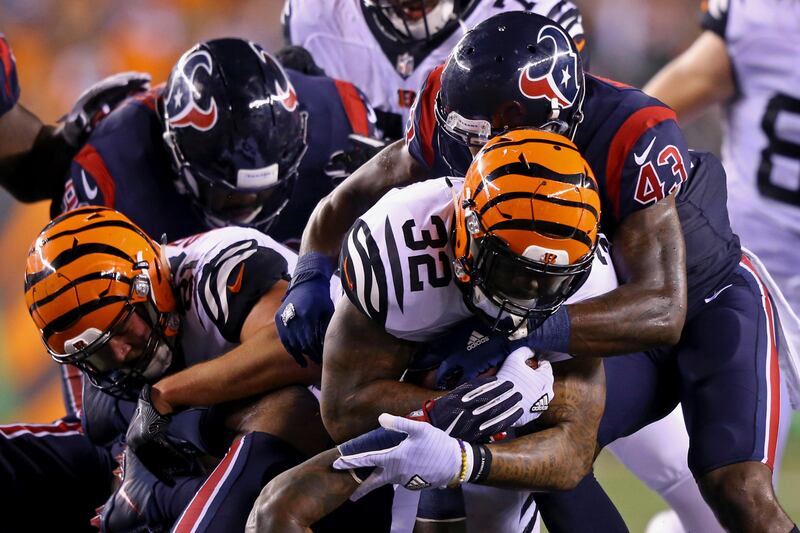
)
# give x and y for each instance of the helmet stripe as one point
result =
(104, 223)
(536, 170)
(500, 143)
(83, 211)
(73, 254)
(88, 277)
(535, 196)
(70, 317)
(546, 228)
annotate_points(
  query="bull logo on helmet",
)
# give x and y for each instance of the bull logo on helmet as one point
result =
(184, 100)
(555, 77)
(285, 96)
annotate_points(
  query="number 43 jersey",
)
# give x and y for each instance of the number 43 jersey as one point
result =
(396, 263)
(762, 133)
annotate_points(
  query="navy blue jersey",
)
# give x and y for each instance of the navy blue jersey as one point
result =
(125, 165)
(9, 86)
(639, 156)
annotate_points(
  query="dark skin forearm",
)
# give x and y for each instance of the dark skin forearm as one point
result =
(558, 456)
(336, 213)
(360, 376)
(302, 496)
(648, 309)
(34, 158)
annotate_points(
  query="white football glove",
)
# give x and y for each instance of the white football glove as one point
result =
(535, 384)
(406, 452)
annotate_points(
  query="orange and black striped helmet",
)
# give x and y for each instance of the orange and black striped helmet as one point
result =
(526, 225)
(87, 272)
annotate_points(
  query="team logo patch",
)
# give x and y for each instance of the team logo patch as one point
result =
(405, 64)
(557, 78)
(185, 103)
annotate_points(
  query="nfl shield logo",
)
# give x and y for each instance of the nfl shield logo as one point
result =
(405, 64)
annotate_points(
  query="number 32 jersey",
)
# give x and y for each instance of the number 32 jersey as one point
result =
(396, 263)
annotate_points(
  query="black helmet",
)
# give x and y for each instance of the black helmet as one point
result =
(514, 69)
(235, 132)
(415, 20)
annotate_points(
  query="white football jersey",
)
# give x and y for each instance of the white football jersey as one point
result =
(396, 263)
(221, 274)
(343, 42)
(761, 145)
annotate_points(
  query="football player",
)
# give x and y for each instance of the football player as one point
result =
(180, 325)
(760, 97)
(388, 47)
(231, 139)
(30, 149)
(525, 239)
(680, 265)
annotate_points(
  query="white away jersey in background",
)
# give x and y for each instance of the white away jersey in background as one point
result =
(340, 38)
(396, 263)
(761, 147)
(221, 274)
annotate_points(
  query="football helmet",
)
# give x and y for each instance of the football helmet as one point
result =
(88, 272)
(512, 70)
(415, 20)
(526, 227)
(233, 127)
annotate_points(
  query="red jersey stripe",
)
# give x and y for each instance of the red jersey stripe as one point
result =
(624, 141)
(427, 115)
(354, 107)
(90, 160)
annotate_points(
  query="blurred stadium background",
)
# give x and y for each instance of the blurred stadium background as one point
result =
(64, 46)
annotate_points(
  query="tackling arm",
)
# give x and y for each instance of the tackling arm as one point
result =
(360, 377)
(649, 309)
(562, 449)
(260, 363)
(335, 214)
(697, 78)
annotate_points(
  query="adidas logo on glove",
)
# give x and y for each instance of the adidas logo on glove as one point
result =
(475, 340)
(541, 404)
(417, 483)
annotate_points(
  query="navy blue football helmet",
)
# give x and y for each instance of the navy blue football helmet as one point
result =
(235, 132)
(514, 69)
(415, 20)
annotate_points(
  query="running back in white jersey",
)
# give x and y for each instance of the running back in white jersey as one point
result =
(396, 263)
(349, 47)
(762, 129)
(221, 274)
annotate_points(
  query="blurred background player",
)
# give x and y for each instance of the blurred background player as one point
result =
(388, 47)
(745, 60)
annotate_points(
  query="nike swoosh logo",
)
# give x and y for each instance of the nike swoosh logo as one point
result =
(453, 423)
(91, 192)
(640, 159)
(236, 286)
(714, 296)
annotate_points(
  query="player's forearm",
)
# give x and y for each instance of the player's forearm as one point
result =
(649, 308)
(336, 213)
(34, 158)
(559, 456)
(257, 365)
(302, 496)
(353, 414)
(697, 78)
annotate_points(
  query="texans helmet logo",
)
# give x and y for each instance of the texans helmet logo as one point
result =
(183, 102)
(286, 96)
(555, 78)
